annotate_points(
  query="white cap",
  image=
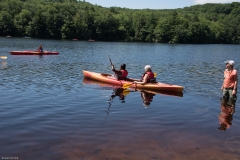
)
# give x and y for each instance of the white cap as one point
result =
(231, 62)
(147, 67)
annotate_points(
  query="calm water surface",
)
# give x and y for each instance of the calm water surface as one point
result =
(48, 111)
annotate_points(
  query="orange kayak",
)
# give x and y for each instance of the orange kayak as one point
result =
(102, 84)
(107, 78)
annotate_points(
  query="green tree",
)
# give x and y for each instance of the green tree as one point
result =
(21, 22)
(106, 26)
(6, 24)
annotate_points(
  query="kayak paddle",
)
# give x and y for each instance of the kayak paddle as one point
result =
(110, 60)
(3, 57)
(127, 85)
(126, 92)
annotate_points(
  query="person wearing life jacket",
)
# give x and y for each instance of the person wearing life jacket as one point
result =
(147, 77)
(40, 48)
(122, 73)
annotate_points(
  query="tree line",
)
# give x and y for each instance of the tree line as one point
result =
(68, 19)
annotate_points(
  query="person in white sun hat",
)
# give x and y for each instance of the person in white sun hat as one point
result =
(230, 82)
(147, 77)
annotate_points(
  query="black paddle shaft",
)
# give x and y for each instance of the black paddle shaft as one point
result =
(110, 60)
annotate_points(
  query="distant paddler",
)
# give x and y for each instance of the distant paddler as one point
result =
(40, 49)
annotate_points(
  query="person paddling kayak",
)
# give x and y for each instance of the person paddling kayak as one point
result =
(147, 77)
(40, 48)
(122, 73)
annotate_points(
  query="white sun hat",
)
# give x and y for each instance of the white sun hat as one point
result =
(147, 67)
(231, 62)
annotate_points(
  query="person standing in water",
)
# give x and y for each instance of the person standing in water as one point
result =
(230, 82)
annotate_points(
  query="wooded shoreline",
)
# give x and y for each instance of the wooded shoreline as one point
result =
(72, 19)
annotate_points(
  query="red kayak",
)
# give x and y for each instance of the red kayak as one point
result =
(106, 78)
(32, 52)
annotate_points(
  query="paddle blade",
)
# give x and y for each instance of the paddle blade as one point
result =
(126, 92)
(155, 74)
(3, 57)
(127, 85)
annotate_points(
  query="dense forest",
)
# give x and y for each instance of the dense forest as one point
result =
(68, 19)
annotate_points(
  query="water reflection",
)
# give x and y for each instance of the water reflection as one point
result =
(226, 115)
(121, 93)
(147, 97)
(3, 65)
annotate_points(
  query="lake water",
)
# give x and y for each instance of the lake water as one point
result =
(48, 111)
